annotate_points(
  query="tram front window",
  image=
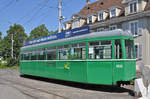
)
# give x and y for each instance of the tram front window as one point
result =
(100, 50)
(129, 48)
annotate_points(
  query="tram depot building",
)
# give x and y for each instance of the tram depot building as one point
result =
(128, 15)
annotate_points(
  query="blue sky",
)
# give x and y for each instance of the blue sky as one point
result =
(32, 13)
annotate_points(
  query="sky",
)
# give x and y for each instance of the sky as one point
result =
(32, 13)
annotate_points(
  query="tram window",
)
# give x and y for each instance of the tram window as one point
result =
(51, 54)
(41, 54)
(93, 43)
(105, 42)
(74, 45)
(129, 49)
(34, 55)
(98, 51)
(118, 49)
(63, 52)
(78, 51)
(21, 56)
(51, 48)
(26, 56)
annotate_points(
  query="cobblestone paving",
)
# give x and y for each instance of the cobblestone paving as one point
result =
(41, 88)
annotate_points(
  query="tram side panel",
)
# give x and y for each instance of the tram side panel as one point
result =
(100, 72)
(124, 71)
(71, 71)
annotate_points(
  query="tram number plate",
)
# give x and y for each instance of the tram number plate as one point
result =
(119, 66)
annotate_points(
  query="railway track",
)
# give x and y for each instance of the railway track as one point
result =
(15, 85)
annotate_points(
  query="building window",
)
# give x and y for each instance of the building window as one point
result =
(113, 27)
(112, 12)
(134, 28)
(100, 29)
(138, 50)
(100, 16)
(89, 20)
(133, 7)
(76, 23)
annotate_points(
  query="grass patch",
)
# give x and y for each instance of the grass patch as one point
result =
(10, 67)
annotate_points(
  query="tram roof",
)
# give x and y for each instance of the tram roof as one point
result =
(113, 33)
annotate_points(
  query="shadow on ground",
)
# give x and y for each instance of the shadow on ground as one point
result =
(103, 88)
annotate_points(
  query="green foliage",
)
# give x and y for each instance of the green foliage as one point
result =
(53, 32)
(38, 32)
(12, 67)
(19, 37)
(0, 35)
(12, 61)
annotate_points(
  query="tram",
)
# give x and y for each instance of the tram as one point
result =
(106, 58)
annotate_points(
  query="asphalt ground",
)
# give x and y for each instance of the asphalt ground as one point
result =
(12, 86)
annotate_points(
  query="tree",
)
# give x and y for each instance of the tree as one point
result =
(38, 32)
(53, 32)
(19, 37)
(0, 35)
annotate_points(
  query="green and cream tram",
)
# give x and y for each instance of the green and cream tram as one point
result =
(106, 58)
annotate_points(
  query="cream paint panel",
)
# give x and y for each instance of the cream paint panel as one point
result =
(94, 19)
(118, 11)
(82, 22)
(143, 4)
(105, 15)
(68, 26)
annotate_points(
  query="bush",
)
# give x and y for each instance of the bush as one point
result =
(12, 62)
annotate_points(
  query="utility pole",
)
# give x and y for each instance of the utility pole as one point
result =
(60, 16)
(12, 44)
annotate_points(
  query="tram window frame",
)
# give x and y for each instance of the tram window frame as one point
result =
(41, 54)
(78, 51)
(118, 53)
(129, 49)
(49, 55)
(21, 56)
(100, 49)
(34, 55)
(26, 56)
(63, 52)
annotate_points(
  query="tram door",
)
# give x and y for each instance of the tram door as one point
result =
(118, 64)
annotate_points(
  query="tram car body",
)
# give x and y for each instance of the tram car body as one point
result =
(105, 58)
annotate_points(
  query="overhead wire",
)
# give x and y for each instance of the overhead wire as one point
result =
(27, 14)
(28, 21)
(7, 5)
(43, 15)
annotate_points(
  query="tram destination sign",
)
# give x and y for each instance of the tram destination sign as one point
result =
(64, 34)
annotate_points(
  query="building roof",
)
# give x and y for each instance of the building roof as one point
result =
(99, 6)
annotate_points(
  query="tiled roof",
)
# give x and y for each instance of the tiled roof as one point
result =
(100, 5)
